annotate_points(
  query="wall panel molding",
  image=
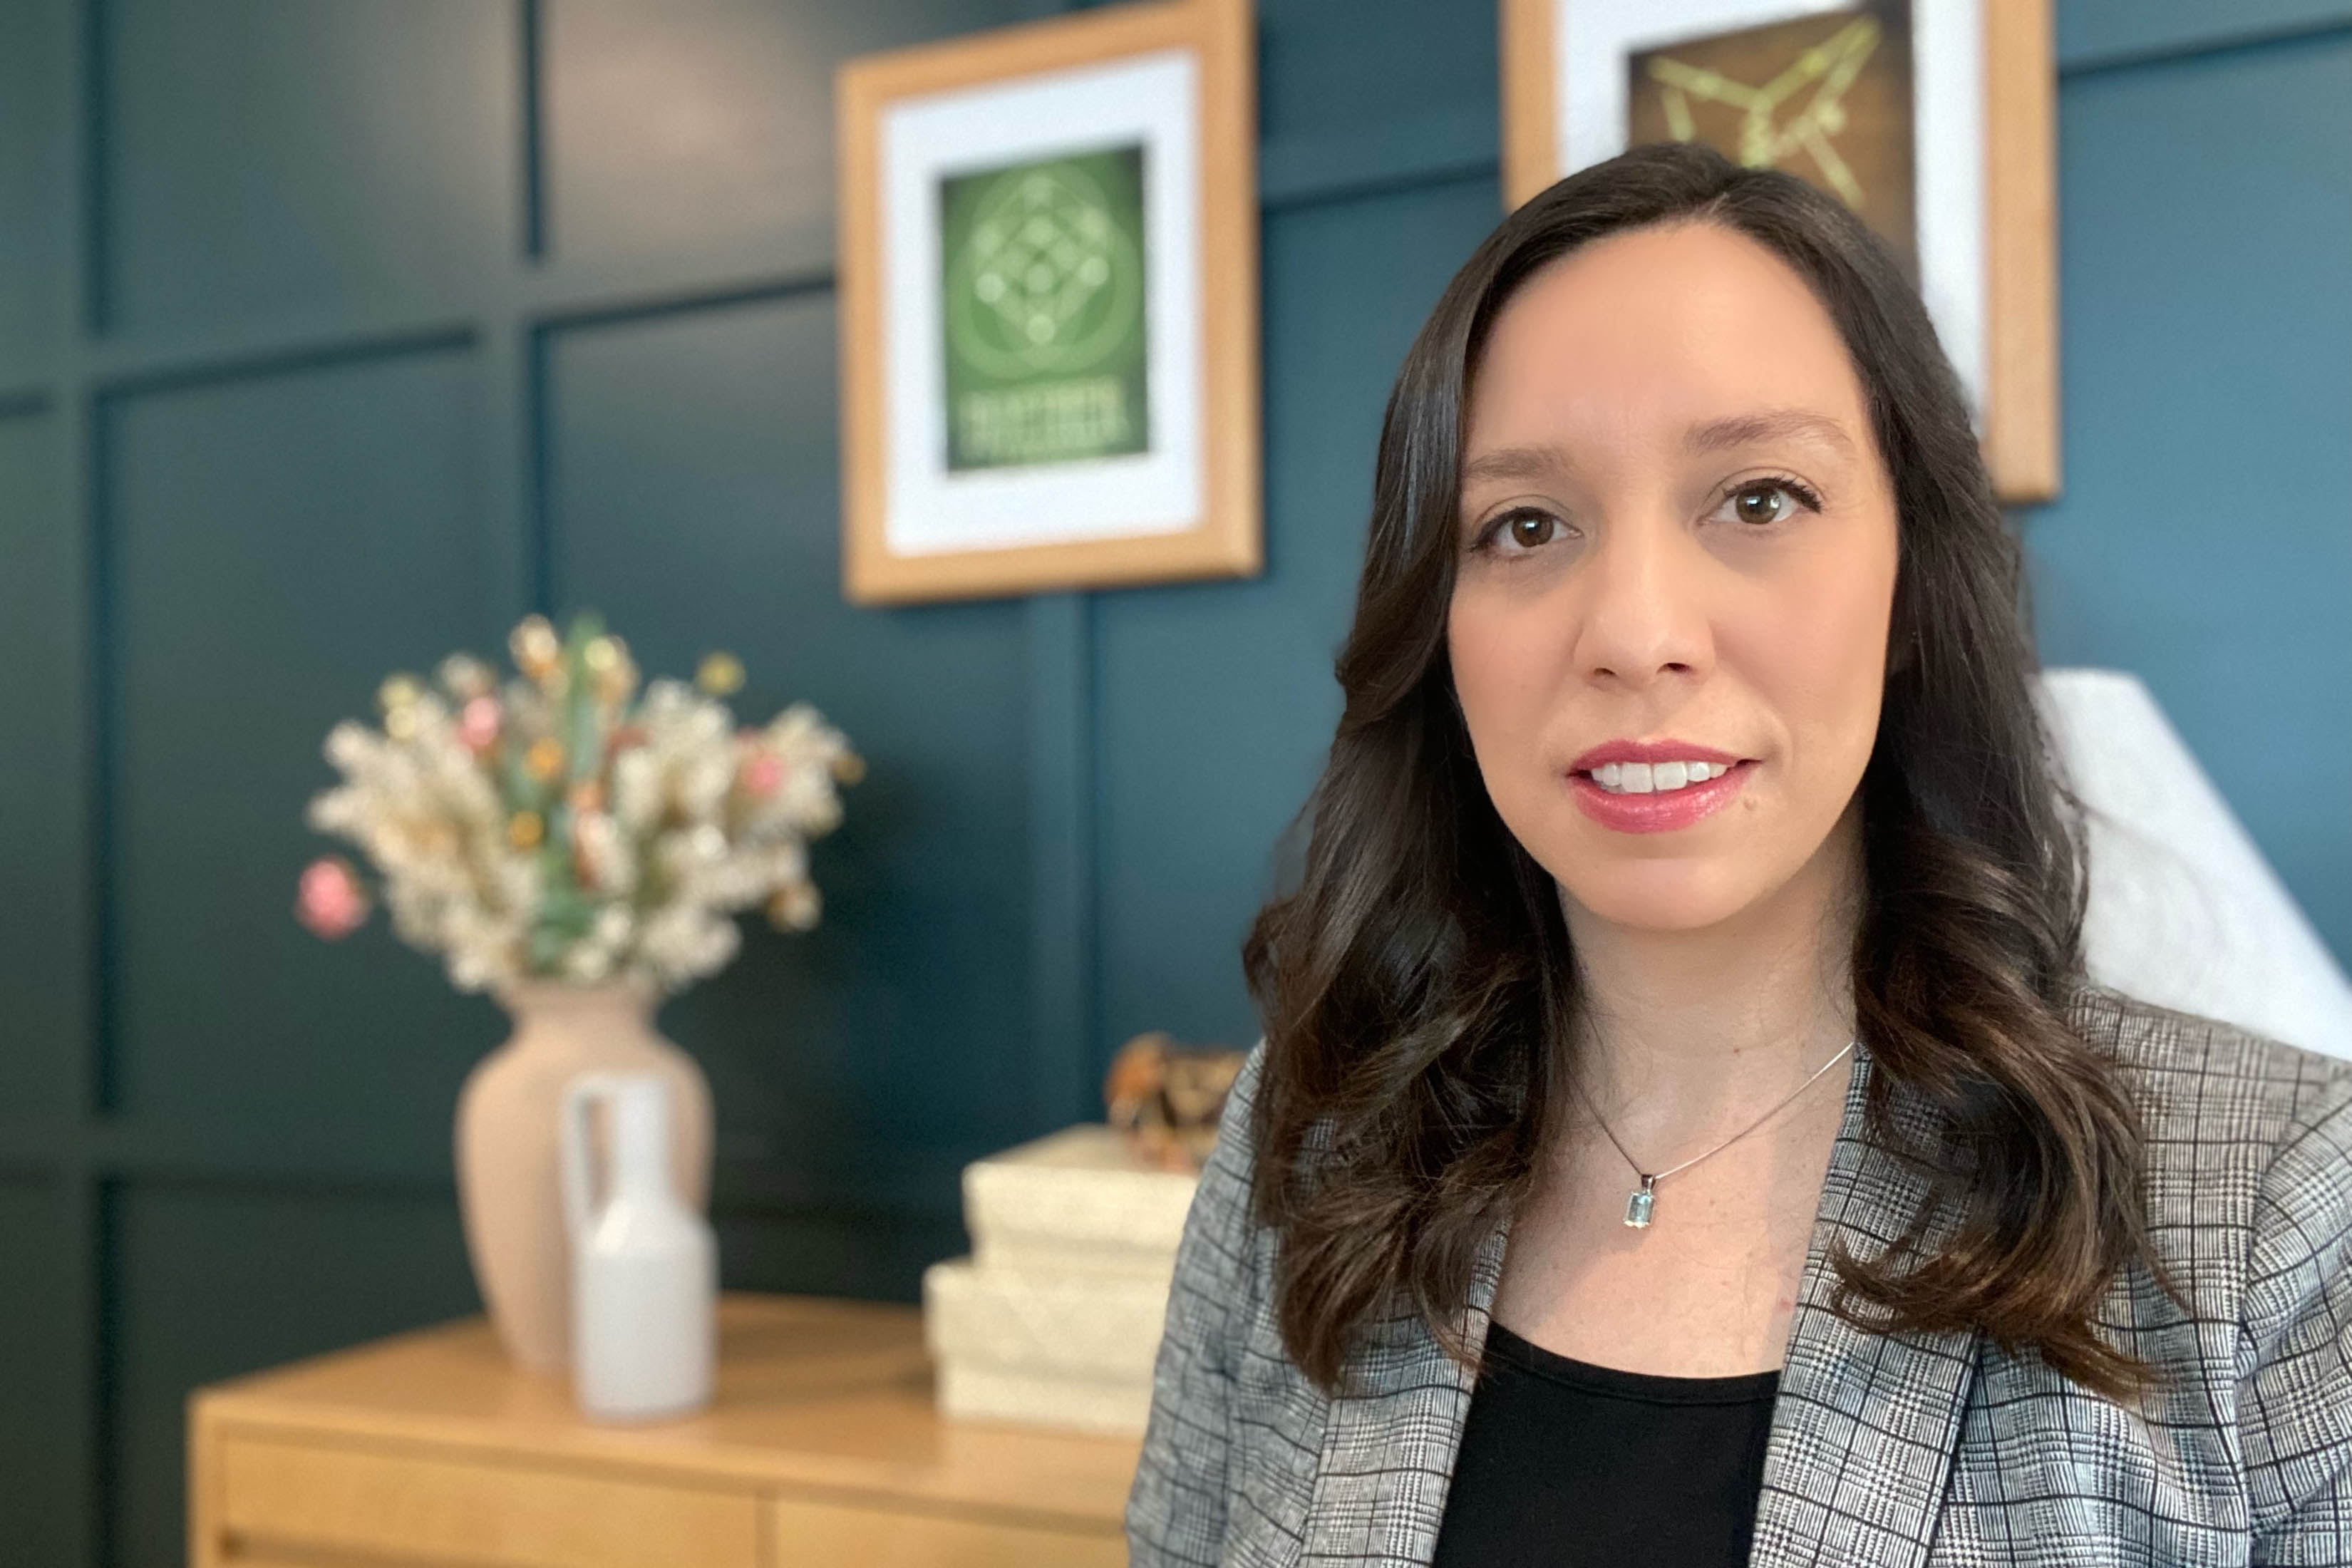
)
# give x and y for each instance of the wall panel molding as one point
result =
(119, 377)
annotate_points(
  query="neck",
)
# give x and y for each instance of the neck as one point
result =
(1680, 1026)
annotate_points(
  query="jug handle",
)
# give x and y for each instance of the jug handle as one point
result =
(579, 1205)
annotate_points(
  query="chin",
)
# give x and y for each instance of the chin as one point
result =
(1659, 895)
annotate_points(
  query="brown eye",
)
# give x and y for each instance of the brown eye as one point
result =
(1527, 529)
(1760, 503)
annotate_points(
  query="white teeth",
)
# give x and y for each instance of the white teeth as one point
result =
(1651, 778)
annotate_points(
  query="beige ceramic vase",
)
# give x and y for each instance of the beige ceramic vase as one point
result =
(508, 1188)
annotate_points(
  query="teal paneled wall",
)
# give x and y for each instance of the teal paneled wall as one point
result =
(268, 160)
(336, 335)
(270, 538)
(705, 127)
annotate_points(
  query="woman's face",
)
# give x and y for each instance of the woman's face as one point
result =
(1669, 626)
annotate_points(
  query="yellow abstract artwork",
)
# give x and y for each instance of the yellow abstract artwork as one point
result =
(1826, 97)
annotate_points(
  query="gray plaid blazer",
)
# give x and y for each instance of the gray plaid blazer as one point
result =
(1884, 1450)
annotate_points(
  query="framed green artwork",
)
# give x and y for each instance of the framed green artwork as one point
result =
(1042, 292)
(1048, 282)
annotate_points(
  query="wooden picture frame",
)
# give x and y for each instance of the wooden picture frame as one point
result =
(1996, 306)
(1048, 287)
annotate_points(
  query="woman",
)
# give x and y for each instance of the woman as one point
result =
(1684, 1133)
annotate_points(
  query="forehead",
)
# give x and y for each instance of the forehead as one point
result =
(1652, 330)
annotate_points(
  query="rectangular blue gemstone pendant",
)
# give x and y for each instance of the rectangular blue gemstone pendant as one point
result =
(1637, 1204)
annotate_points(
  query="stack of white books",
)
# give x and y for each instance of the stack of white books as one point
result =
(1055, 1320)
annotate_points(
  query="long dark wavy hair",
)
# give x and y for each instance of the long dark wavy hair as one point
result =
(1418, 988)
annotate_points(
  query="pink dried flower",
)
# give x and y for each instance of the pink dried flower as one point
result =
(763, 772)
(330, 902)
(478, 722)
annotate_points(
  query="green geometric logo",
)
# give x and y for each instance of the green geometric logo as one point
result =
(1042, 318)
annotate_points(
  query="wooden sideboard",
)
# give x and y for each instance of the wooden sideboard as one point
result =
(821, 1446)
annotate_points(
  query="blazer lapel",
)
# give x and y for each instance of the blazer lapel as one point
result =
(1388, 1443)
(1865, 1425)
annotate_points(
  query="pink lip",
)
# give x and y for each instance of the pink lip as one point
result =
(1656, 813)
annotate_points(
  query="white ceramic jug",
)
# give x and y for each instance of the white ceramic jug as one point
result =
(644, 1266)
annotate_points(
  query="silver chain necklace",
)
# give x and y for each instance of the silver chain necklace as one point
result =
(1643, 1198)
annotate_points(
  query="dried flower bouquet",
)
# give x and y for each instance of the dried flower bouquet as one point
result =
(567, 826)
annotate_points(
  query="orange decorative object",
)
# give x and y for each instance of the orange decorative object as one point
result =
(1166, 1096)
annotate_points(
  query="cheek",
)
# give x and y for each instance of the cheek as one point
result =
(1505, 658)
(1818, 655)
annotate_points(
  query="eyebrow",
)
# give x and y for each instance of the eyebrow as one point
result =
(1515, 463)
(1508, 463)
(1774, 425)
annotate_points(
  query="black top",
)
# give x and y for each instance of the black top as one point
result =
(1565, 1464)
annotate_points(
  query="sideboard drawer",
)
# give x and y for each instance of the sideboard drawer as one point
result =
(814, 1534)
(408, 1505)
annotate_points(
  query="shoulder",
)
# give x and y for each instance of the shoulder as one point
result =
(2205, 1090)
(2248, 1160)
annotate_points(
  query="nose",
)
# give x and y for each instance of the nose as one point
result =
(1645, 617)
